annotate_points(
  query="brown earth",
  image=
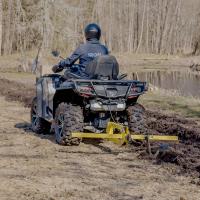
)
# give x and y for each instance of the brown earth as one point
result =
(186, 153)
(35, 167)
(16, 91)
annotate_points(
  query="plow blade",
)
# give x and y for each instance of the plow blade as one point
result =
(121, 135)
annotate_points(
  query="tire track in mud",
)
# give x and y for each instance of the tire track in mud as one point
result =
(185, 154)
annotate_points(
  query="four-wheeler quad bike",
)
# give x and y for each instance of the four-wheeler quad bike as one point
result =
(97, 104)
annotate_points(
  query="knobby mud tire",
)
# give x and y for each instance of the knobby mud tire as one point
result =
(38, 124)
(136, 119)
(68, 119)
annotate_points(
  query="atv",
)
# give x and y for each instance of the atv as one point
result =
(87, 103)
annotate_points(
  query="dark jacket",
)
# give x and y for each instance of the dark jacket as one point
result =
(85, 53)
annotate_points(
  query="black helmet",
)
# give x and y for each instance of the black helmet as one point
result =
(92, 31)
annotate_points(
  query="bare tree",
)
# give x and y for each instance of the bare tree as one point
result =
(1, 25)
(147, 26)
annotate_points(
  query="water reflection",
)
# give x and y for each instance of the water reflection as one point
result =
(186, 83)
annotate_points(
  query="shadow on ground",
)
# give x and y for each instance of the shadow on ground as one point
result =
(25, 126)
(28, 129)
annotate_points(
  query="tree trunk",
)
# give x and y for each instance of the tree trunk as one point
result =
(142, 26)
(1, 25)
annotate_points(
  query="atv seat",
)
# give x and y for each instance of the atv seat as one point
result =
(103, 67)
(69, 74)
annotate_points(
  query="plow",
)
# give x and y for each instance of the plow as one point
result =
(121, 135)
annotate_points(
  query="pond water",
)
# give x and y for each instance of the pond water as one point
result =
(185, 82)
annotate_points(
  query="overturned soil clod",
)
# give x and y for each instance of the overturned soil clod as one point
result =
(186, 153)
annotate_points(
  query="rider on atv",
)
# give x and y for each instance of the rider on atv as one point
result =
(86, 101)
(85, 53)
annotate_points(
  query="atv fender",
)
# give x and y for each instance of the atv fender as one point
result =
(45, 90)
(48, 88)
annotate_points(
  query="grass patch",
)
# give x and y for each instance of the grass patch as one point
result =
(170, 102)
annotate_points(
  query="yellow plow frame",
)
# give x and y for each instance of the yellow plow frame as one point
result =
(120, 134)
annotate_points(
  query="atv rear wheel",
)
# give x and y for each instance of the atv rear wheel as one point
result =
(68, 118)
(38, 124)
(136, 119)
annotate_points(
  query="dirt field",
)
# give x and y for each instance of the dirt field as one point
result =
(34, 167)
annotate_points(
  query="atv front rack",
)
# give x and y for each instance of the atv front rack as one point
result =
(120, 134)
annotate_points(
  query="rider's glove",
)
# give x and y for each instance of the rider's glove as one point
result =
(74, 68)
(57, 68)
(62, 63)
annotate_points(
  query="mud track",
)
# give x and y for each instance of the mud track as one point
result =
(185, 154)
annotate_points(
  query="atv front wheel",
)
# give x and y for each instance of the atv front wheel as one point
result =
(38, 124)
(136, 119)
(68, 119)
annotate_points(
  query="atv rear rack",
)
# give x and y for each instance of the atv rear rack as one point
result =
(120, 134)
